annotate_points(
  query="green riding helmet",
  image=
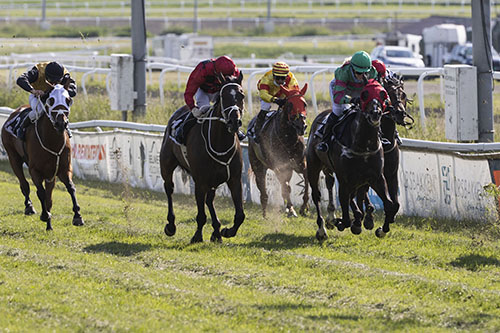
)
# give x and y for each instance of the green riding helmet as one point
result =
(361, 62)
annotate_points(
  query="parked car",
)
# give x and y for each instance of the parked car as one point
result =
(397, 56)
(462, 54)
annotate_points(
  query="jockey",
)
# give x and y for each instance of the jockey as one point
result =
(345, 88)
(204, 82)
(381, 70)
(38, 81)
(269, 87)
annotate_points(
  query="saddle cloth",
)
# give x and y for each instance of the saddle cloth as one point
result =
(12, 126)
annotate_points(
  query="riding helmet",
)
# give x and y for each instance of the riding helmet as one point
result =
(54, 72)
(379, 66)
(361, 62)
(280, 69)
(225, 65)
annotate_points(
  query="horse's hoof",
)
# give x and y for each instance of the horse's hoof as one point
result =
(290, 212)
(340, 226)
(215, 238)
(78, 221)
(46, 217)
(356, 229)
(49, 228)
(368, 222)
(379, 233)
(321, 235)
(196, 239)
(228, 233)
(29, 210)
(170, 229)
(330, 224)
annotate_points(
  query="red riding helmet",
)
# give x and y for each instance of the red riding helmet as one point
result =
(380, 67)
(225, 65)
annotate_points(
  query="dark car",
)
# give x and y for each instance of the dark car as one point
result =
(462, 54)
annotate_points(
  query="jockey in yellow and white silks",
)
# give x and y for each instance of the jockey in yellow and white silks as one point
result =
(269, 87)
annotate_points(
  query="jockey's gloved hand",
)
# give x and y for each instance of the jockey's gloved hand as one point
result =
(196, 112)
(355, 100)
(279, 101)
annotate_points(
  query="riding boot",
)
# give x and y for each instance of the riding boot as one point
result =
(261, 118)
(327, 129)
(21, 130)
(70, 135)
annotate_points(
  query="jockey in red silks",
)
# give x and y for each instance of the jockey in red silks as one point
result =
(345, 88)
(205, 81)
(39, 80)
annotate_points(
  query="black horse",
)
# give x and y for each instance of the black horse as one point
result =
(397, 115)
(282, 149)
(357, 159)
(212, 155)
(46, 151)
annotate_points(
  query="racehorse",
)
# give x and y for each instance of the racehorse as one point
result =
(394, 85)
(46, 151)
(212, 155)
(356, 157)
(282, 149)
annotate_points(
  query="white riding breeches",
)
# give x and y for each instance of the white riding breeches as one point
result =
(338, 109)
(203, 98)
(36, 108)
(265, 105)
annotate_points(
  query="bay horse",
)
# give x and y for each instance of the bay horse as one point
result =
(46, 151)
(282, 149)
(212, 155)
(356, 157)
(397, 115)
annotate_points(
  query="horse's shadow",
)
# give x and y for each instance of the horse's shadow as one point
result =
(118, 248)
(281, 241)
(474, 262)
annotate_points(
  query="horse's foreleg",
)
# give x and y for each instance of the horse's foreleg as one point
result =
(45, 216)
(70, 187)
(331, 220)
(260, 180)
(235, 187)
(345, 201)
(16, 163)
(49, 187)
(364, 203)
(390, 209)
(313, 176)
(357, 211)
(305, 197)
(201, 217)
(216, 236)
(284, 177)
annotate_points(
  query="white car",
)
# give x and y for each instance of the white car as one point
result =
(397, 56)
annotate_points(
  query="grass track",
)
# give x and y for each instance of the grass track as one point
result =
(120, 272)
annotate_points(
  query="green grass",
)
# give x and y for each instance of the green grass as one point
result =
(120, 272)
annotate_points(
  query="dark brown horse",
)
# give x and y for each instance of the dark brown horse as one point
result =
(282, 149)
(357, 159)
(397, 115)
(47, 152)
(212, 155)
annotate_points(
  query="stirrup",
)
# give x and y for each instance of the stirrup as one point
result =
(322, 147)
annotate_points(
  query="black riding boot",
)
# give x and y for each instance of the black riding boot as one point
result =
(326, 131)
(21, 130)
(261, 118)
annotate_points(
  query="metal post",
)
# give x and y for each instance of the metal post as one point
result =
(195, 17)
(481, 39)
(139, 52)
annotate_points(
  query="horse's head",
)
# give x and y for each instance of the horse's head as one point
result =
(231, 98)
(57, 107)
(394, 86)
(374, 99)
(295, 108)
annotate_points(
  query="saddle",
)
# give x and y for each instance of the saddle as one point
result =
(252, 130)
(14, 125)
